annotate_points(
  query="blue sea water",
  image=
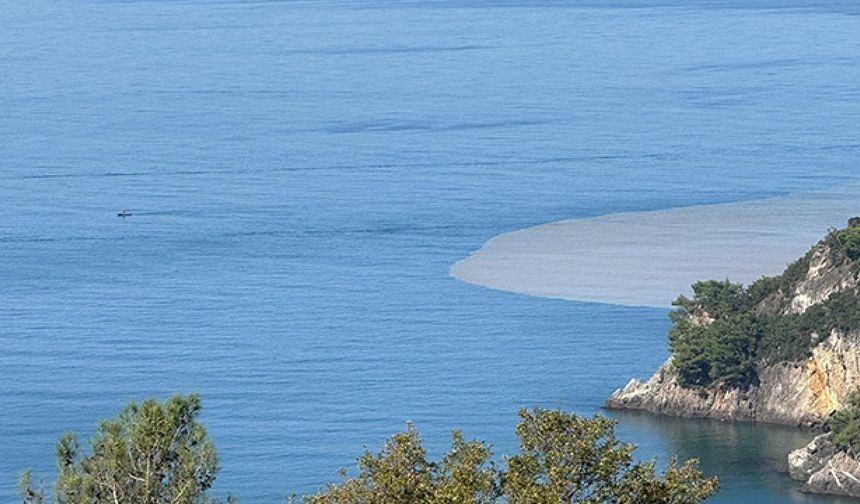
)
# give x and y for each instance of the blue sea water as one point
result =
(303, 173)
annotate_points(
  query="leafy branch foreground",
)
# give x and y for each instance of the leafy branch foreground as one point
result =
(158, 453)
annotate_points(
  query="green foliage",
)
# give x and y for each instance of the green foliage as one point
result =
(729, 349)
(795, 273)
(845, 425)
(771, 293)
(151, 453)
(715, 335)
(31, 494)
(841, 312)
(784, 338)
(721, 351)
(157, 453)
(721, 299)
(764, 287)
(566, 458)
(402, 474)
(465, 474)
(563, 458)
(849, 239)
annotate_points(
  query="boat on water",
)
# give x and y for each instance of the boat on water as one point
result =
(124, 214)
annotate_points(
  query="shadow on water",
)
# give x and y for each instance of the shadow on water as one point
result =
(750, 459)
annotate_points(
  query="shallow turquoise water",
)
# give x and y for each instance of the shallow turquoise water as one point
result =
(303, 174)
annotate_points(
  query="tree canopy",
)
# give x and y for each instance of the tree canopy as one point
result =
(151, 453)
(401, 473)
(714, 336)
(158, 453)
(563, 458)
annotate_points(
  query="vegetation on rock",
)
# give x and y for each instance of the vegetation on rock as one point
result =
(845, 426)
(726, 331)
(849, 238)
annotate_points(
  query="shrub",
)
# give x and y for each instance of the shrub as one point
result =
(849, 239)
(845, 426)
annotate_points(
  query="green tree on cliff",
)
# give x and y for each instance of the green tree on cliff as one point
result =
(715, 335)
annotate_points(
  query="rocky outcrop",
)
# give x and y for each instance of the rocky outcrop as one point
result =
(823, 277)
(804, 392)
(806, 461)
(801, 394)
(825, 469)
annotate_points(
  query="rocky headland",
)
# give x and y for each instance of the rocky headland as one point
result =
(785, 350)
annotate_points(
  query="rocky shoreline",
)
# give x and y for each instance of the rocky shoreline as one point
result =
(802, 394)
(824, 469)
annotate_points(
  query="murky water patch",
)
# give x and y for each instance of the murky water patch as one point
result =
(648, 258)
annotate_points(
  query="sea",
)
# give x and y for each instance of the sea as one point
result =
(302, 174)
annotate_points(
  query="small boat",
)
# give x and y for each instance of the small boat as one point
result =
(124, 214)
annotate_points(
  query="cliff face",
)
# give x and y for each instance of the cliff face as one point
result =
(823, 277)
(824, 469)
(802, 394)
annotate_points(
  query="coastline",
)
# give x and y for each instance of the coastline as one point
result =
(648, 258)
